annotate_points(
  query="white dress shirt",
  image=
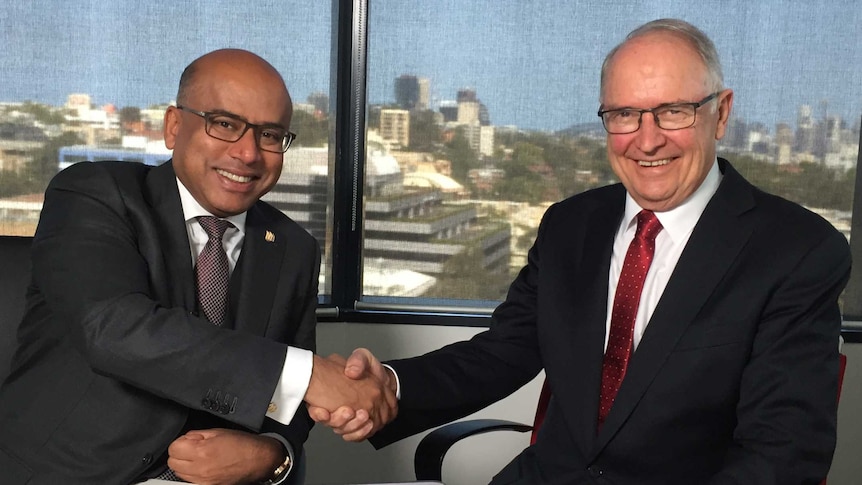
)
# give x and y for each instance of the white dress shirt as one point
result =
(677, 226)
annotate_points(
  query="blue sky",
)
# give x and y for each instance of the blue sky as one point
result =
(535, 64)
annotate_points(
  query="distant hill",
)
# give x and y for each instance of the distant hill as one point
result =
(579, 129)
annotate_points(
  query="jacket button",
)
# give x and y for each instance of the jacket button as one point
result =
(224, 408)
(147, 459)
(595, 471)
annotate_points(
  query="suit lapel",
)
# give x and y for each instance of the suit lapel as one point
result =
(168, 217)
(715, 242)
(584, 324)
(254, 281)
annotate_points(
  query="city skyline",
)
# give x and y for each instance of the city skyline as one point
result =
(128, 54)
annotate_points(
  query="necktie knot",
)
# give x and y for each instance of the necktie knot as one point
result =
(214, 227)
(648, 225)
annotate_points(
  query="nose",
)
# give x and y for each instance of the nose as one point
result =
(649, 136)
(246, 148)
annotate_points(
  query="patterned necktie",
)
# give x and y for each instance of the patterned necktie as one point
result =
(212, 271)
(626, 300)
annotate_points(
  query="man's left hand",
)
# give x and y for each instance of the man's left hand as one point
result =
(224, 457)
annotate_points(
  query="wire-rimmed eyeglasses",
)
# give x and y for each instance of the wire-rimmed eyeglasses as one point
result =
(672, 116)
(230, 127)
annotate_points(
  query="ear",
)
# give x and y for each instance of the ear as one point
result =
(725, 103)
(171, 126)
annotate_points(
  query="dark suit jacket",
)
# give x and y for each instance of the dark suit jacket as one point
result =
(112, 357)
(734, 381)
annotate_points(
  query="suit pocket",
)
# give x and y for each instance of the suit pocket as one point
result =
(13, 471)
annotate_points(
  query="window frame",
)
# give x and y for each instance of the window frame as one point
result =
(345, 302)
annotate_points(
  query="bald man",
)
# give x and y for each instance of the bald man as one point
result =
(121, 373)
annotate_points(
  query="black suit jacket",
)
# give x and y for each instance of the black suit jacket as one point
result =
(112, 356)
(734, 381)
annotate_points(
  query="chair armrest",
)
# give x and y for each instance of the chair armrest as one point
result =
(428, 460)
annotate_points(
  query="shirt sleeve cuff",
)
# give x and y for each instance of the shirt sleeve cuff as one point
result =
(397, 381)
(292, 386)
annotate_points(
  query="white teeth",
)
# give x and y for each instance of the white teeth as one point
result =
(654, 163)
(234, 177)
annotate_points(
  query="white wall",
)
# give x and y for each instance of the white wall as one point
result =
(474, 461)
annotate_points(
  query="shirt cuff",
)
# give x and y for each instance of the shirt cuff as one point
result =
(289, 450)
(292, 386)
(397, 381)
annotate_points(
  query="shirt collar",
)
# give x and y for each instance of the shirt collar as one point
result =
(679, 221)
(192, 209)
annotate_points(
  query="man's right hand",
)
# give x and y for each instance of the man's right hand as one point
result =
(356, 424)
(356, 397)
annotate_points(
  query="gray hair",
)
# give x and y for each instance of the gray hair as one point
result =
(688, 33)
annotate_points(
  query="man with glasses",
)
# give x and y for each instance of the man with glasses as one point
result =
(686, 321)
(171, 315)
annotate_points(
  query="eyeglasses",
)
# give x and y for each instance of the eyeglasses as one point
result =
(674, 116)
(229, 127)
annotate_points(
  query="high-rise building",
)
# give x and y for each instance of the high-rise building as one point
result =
(395, 126)
(449, 110)
(466, 95)
(412, 93)
(805, 130)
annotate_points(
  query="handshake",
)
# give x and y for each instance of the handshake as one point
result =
(355, 397)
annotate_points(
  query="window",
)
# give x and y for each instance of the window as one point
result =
(91, 82)
(432, 136)
(480, 115)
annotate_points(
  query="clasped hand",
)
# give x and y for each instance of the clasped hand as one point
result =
(355, 397)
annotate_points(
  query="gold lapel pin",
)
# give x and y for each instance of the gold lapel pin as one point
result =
(270, 237)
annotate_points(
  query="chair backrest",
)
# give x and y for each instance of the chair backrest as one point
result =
(541, 409)
(14, 278)
(842, 365)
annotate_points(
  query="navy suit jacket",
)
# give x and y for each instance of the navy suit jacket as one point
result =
(112, 356)
(734, 380)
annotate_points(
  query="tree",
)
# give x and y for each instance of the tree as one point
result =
(46, 160)
(130, 114)
(424, 131)
(310, 131)
(464, 278)
(462, 157)
(43, 113)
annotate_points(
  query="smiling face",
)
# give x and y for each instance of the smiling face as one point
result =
(227, 178)
(662, 168)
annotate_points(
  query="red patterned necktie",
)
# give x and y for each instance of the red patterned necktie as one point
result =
(626, 300)
(212, 271)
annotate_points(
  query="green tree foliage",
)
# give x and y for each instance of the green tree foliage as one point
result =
(462, 157)
(524, 180)
(562, 165)
(464, 278)
(424, 131)
(310, 130)
(45, 162)
(130, 114)
(43, 113)
(809, 184)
